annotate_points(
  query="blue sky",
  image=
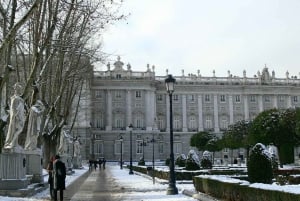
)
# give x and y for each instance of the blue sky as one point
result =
(218, 35)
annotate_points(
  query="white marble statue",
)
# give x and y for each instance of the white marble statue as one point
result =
(62, 141)
(34, 124)
(16, 118)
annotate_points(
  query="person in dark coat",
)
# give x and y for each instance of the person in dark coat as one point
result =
(59, 178)
(50, 178)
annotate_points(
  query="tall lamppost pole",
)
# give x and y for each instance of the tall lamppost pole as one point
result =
(172, 190)
(153, 164)
(130, 164)
(121, 159)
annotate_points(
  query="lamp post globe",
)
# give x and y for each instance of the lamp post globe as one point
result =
(172, 189)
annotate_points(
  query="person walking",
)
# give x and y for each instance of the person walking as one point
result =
(50, 176)
(59, 178)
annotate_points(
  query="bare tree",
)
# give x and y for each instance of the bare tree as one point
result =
(52, 48)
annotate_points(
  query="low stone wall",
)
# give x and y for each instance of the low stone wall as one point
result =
(239, 191)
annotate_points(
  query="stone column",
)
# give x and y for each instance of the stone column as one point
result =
(128, 108)
(200, 113)
(109, 111)
(246, 107)
(289, 101)
(150, 109)
(184, 121)
(216, 113)
(230, 101)
(275, 101)
(260, 103)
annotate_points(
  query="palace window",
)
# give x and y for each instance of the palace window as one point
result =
(252, 98)
(208, 122)
(192, 123)
(281, 98)
(176, 122)
(295, 98)
(224, 123)
(238, 98)
(267, 99)
(161, 147)
(207, 98)
(192, 98)
(98, 94)
(98, 146)
(222, 98)
(139, 146)
(175, 97)
(159, 97)
(177, 147)
(118, 94)
(138, 94)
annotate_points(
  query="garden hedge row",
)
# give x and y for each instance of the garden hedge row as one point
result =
(240, 192)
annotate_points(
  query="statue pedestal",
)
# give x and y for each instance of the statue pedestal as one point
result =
(13, 169)
(34, 164)
(77, 162)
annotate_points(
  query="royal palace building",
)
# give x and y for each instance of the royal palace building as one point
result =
(119, 97)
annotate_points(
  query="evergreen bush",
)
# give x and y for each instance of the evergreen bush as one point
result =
(141, 161)
(260, 165)
(206, 163)
(180, 160)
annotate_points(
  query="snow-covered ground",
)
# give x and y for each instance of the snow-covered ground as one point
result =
(141, 187)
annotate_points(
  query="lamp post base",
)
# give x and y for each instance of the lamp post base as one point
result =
(172, 190)
(130, 172)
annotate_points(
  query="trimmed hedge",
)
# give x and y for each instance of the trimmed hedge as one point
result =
(240, 192)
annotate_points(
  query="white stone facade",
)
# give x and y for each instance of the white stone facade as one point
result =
(120, 97)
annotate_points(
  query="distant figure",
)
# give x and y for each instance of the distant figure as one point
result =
(50, 178)
(95, 164)
(59, 178)
(90, 164)
(34, 124)
(100, 163)
(104, 161)
(16, 118)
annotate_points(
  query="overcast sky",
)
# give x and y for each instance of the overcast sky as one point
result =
(208, 35)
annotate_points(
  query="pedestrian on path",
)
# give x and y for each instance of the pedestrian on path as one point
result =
(59, 178)
(50, 176)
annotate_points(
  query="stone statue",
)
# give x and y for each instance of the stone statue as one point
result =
(16, 119)
(76, 147)
(62, 141)
(34, 123)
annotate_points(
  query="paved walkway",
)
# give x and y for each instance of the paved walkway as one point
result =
(101, 186)
(94, 186)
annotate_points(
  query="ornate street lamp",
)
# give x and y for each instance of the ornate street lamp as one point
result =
(121, 159)
(130, 164)
(172, 190)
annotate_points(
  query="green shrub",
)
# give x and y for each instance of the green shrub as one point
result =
(191, 165)
(180, 160)
(141, 161)
(167, 162)
(260, 165)
(206, 163)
